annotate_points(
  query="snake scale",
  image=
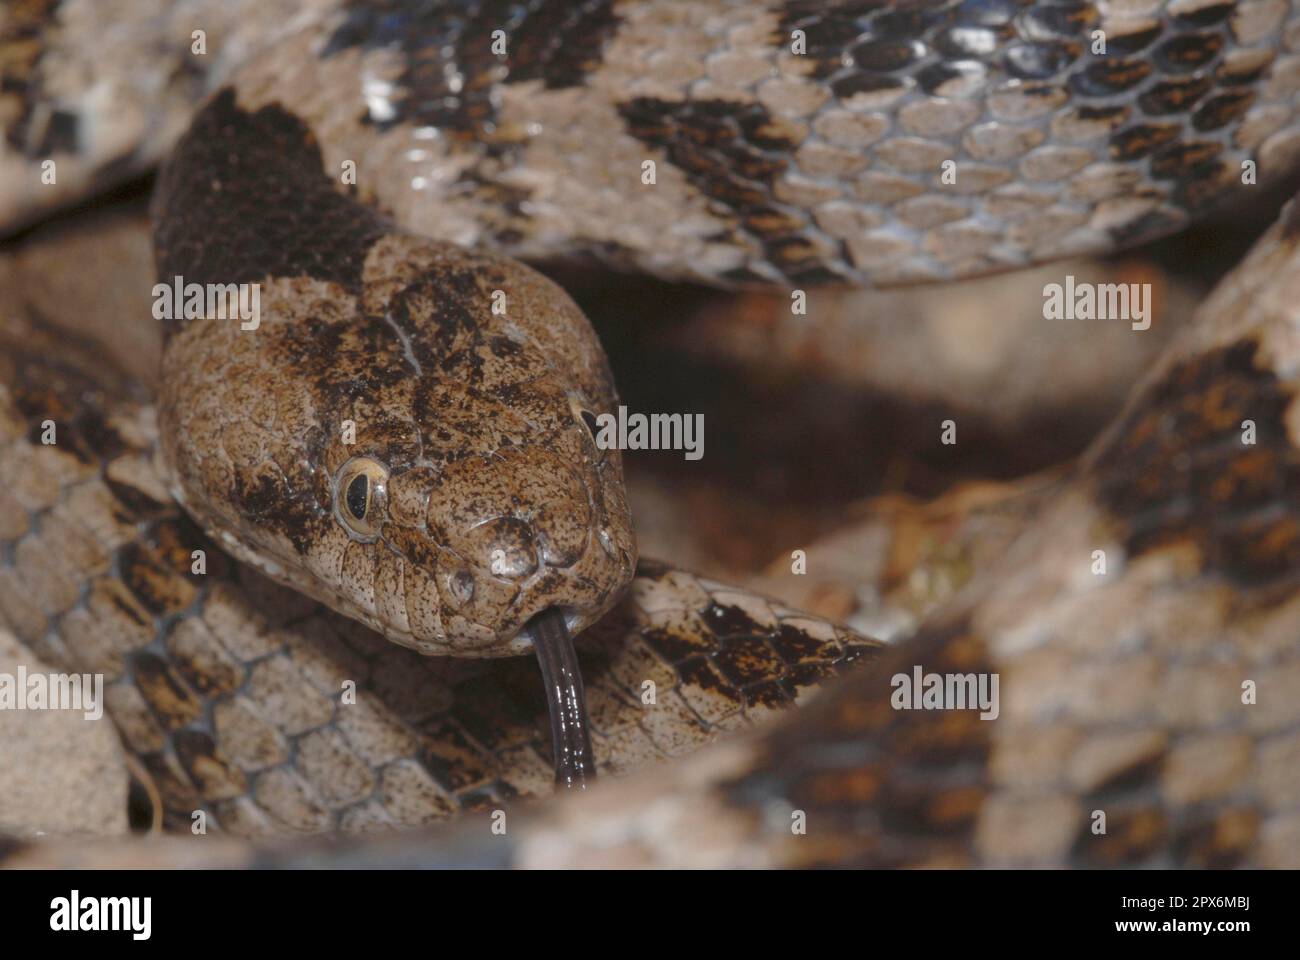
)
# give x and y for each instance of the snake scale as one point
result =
(860, 142)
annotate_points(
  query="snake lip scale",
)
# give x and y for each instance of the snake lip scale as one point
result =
(321, 556)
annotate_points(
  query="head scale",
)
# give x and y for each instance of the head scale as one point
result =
(416, 452)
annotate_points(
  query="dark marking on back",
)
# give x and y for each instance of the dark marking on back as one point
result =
(179, 796)
(207, 767)
(449, 67)
(22, 97)
(158, 588)
(727, 621)
(1174, 95)
(795, 646)
(1217, 839)
(1206, 16)
(1137, 141)
(1174, 66)
(126, 604)
(1175, 470)
(1139, 828)
(1222, 109)
(244, 196)
(846, 39)
(173, 540)
(734, 154)
(171, 701)
(451, 78)
(1185, 52)
(746, 660)
(1135, 40)
(54, 387)
(136, 502)
(769, 694)
(1135, 833)
(1185, 160)
(886, 787)
(675, 645)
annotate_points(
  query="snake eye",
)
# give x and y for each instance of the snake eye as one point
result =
(587, 419)
(361, 497)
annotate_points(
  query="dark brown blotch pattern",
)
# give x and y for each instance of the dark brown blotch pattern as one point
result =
(23, 44)
(553, 41)
(1177, 472)
(734, 155)
(883, 787)
(244, 196)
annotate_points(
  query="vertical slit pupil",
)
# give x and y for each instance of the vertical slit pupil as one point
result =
(357, 495)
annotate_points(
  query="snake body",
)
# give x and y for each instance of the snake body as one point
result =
(793, 144)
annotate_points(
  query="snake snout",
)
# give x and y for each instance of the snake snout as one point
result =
(532, 532)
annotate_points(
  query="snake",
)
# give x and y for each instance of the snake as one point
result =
(395, 481)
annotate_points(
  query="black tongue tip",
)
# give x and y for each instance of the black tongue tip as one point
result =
(565, 698)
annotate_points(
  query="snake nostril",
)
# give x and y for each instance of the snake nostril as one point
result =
(512, 547)
(504, 547)
(461, 585)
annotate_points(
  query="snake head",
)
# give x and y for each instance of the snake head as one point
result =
(417, 452)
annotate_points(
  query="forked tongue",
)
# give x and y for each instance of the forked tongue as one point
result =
(570, 737)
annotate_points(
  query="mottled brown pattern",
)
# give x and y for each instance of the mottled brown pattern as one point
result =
(1122, 689)
(500, 504)
(465, 377)
(449, 68)
(1179, 472)
(845, 179)
(451, 77)
(229, 688)
(881, 787)
(23, 28)
(734, 155)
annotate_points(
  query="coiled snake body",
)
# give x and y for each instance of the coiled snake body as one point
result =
(346, 157)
